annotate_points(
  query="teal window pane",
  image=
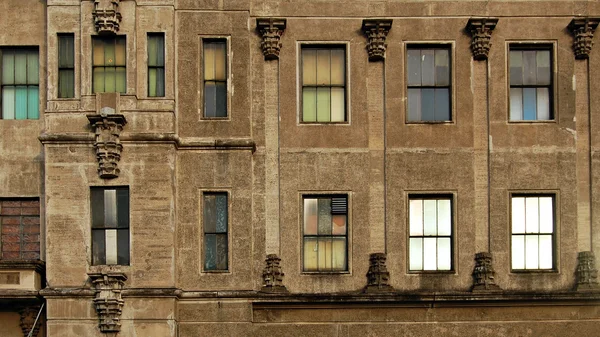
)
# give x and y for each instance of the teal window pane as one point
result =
(210, 251)
(33, 104)
(221, 208)
(21, 102)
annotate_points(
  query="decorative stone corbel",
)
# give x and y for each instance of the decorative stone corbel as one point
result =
(108, 147)
(30, 322)
(481, 35)
(484, 274)
(108, 301)
(583, 30)
(376, 31)
(273, 276)
(378, 277)
(271, 30)
(587, 274)
(107, 17)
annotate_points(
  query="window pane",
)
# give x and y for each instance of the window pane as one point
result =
(109, 53)
(427, 104)
(442, 68)
(153, 50)
(337, 105)
(210, 99)
(429, 254)
(532, 215)
(516, 67)
(33, 102)
(338, 254)
(416, 217)
(8, 103)
(221, 213)
(21, 102)
(152, 82)
(66, 88)
(309, 104)
(120, 80)
(416, 254)
(543, 67)
(209, 61)
(531, 252)
(32, 68)
(210, 251)
(518, 252)
(120, 51)
(110, 208)
(543, 104)
(221, 252)
(444, 222)
(97, 205)
(339, 224)
(444, 254)
(414, 66)
(109, 79)
(546, 252)
(338, 67)
(442, 105)
(160, 82)
(529, 104)
(529, 67)
(221, 99)
(324, 216)
(323, 105)
(427, 67)
(98, 247)
(310, 216)
(210, 215)
(123, 208)
(221, 61)
(310, 254)
(324, 254)
(414, 105)
(20, 67)
(123, 246)
(516, 104)
(518, 215)
(546, 215)
(98, 79)
(8, 67)
(429, 217)
(98, 57)
(309, 67)
(111, 246)
(66, 51)
(323, 67)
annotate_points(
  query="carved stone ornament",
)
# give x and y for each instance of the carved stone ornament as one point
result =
(271, 30)
(273, 276)
(108, 147)
(587, 274)
(484, 274)
(108, 301)
(107, 17)
(481, 35)
(583, 30)
(378, 277)
(376, 31)
(29, 315)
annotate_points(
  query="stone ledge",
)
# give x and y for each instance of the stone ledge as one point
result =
(37, 265)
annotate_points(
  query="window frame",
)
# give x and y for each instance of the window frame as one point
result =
(202, 102)
(300, 45)
(555, 217)
(106, 38)
(229, 233)
(26, 48)
(420, 195)
(326, 195)
(552, 92)
(59, 36)
(92, 228)
(450, 47)
(163, 67)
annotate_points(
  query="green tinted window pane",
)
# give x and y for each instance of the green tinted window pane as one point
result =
(33, 102)
(109, 79)
(120, 59)
(109, 54)
(66, 50)
(160, 82)
(8, 67)
(210, 252)
(8, 103)
(32, 68)
(98, 79)
(338, 67)
(221, 213)
(323, 66)
(323, 104)
(153, 50)
(309, 67)
(324, 216)
(120, 80)
(21, 102)
(516, 67)
(210, 214)
(66, 78)
(309, 104)
(221, 256)
(221, 99)
(152, 81)
(20, 67)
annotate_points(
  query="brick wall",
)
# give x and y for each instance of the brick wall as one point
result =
(20, 229)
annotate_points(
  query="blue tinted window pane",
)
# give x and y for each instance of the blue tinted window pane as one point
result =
(529, 104)
(221, 204)
(427, 104)
(442, 105)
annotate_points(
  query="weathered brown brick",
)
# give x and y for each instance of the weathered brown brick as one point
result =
(11, 220)
(30, 211)
(10, 255)
(10, 229)
(31, 203)
(31, 229)
(11, 247)
(11, 210)
(11, 203)
(30, 255)
(13, 238)
(31, 247)
(31, 220)
(31, 238)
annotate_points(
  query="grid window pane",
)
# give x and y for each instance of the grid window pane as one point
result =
(215, 78)
(215, 224)
(110, 225)
(325, 230)
(20, 83)
(109, 70)
(323, 84)
(156, 65)
(530, 84)
(532, 226)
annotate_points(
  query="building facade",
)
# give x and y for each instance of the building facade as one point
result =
(298, 168)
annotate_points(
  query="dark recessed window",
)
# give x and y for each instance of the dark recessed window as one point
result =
(156, 65)
(215, 224)
(110, 225)
(66, 65)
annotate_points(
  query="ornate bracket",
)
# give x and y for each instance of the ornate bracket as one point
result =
(481, 35)
(29, 325)
(378, 277)
(587, 274)
(108, 146)
(107, 17)
(271, 30)
(484, 274)
(583, 29)
(108, 301)
(376, 31)
(273, 276)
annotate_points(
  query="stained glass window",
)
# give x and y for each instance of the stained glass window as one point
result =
(430, 237)
(215, 78)
(215, 223)
(20, 83)
(532, 220)
(530, 84)
(156, 65)
(109, 64)
(110, 226)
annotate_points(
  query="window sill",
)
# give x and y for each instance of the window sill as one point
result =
(325, 273)
(431, 272)
(215, 119)
(533, 271)
(544, 121)
(429, 122)
(216, 272)
(324, 123)
(109, 268)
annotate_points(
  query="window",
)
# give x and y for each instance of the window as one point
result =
(532, 232)
(428, 84)
(156, 65)
(20, 228)
(323, 84)
(215, 78)
(109, 64)
(325, 233)
(430, 239)
(110, 225)
(215, 221)
(20, 83)
(530, 84)
(66, 65)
